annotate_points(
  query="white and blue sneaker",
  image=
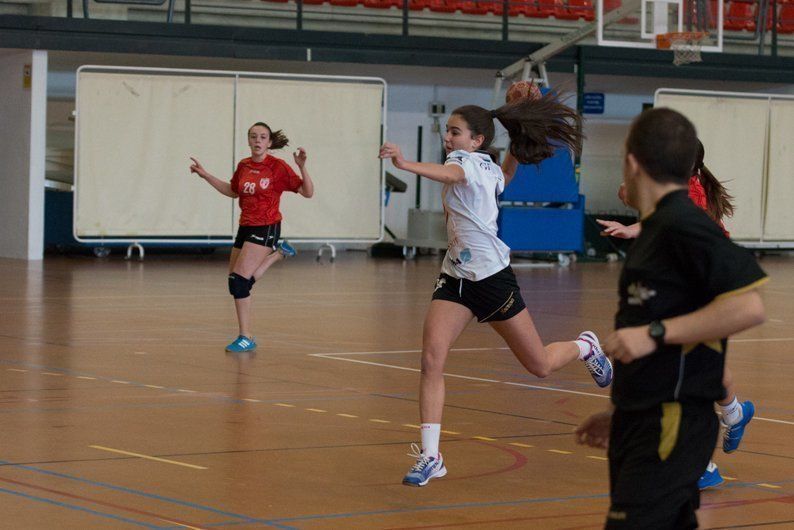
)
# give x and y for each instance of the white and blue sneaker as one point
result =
(596, 361)
(426, 467)
(286, 249)
(733, 433)
(241, 344)
(711, 478)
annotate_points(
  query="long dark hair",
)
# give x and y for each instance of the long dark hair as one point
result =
(718, 200)
(664, 143)
(536, 126)
(278, 138)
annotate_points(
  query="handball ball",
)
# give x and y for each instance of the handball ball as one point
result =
(522, 89)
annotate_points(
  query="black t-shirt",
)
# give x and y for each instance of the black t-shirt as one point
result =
(680, 262)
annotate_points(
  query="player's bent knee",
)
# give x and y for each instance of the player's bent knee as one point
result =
(239, 286)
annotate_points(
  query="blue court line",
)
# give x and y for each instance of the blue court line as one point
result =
(80, 509)
(244, 518)
(419, 509)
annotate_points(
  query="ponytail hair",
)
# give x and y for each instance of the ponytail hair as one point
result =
(536, 126)
(278, 139)
(539, 126)
(718, 202)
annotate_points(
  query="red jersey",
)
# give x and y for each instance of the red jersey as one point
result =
(698, 196)
(259, 186)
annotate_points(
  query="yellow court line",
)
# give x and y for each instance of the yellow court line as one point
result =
(376, 420)
(451, 432)
(596, 457)
(347, 415)
(765, 485)
(284, 405)
(186, 390)
(154, 386)
(726, 477)
(86, 377)
(52, 374)
(412, 426)
(147, 457)
(559, 452)
(484, 438)
(252, 400)
(519, 444)
(15, 370)
(316, 410)
(120, 382)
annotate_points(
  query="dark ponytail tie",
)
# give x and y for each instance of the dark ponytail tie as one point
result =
(493, 114)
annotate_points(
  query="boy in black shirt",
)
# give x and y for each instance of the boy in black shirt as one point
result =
(684, 289)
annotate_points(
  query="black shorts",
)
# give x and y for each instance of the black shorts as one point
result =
(266, 235)
(655, 459)
(491, 299)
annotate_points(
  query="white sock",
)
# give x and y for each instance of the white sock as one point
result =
(732, 412)
(711, 467)
(431, 434)
(584, 348)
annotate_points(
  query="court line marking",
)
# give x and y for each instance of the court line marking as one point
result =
(144, 494)
(316, 410)
(146, 457)
(346, 415)
(597, 457)
(15, 370)
(334, 356)
(559, 452)
(519, 444)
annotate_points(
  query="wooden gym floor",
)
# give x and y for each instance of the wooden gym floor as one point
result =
(120, 409)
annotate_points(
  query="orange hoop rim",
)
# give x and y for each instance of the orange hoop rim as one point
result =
(664, 41)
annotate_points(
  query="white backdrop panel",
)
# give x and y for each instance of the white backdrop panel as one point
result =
(779, 223)
(733, 132)
(134, 136)
(339, 125)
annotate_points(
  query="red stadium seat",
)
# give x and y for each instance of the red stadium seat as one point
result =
(383, 4)
(344, 3)
(741, 15)
(547, 8)
(528, 8)
(785, 18)
(445, 6)
(478, 7)
(579, 9)
(418, 5)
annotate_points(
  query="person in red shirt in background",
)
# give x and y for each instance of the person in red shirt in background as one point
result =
(259, 182)
(709, 194)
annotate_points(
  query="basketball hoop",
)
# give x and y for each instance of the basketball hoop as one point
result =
(685, 45)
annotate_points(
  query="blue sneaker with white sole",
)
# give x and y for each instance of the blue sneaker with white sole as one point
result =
(596, 361)
(711, 478)
(286, 249)
(733, 433)
(425, 468)
(241, 344)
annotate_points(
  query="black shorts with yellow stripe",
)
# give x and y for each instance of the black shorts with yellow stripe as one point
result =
(491, 299)
(655, 459)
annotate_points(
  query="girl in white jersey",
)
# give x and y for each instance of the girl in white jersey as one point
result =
(476, 279)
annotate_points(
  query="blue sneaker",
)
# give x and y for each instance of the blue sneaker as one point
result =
(286, 249)
(596, 362)
(733, 433)
(241, 344)
(711, 478)
(426, 467)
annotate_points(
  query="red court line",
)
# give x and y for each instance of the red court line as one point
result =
(107, 504)
(491, 521)
(789, 499)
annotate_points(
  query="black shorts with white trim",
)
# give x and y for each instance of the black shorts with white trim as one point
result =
(491, 299)
(265, 235)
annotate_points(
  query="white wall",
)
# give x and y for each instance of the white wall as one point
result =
(22, 143)
(411, 89)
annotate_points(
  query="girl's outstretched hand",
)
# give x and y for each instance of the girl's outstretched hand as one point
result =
(300, 157)
(197, 168)
(615, 229)
(389, 150)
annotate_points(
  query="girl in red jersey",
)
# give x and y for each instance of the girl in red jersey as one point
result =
(711, 196)
(259, 182)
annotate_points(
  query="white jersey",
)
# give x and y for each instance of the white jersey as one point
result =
(474, 251)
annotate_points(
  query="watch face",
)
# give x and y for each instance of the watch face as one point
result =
(656, 330)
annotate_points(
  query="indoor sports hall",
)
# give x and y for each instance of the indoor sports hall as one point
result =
(127, 402)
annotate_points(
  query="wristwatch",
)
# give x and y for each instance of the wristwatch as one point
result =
(656, 330)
